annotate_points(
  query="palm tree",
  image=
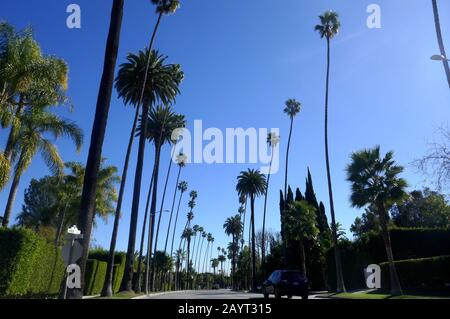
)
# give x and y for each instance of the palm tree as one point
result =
(252, 184)
(31, 139)
(242, 210)
(97, 137)
(375, 181)
(209, 239)
(162, 86)
(160, 124)
(181, 161)
(272, 139)
(162, 7)
(204, 236)
(182, 187)
(5, 166)
(328, 28)
(187, 235)
(437, 24)
(233, 228)
(214, 265)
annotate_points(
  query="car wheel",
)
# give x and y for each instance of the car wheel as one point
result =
(277, 294)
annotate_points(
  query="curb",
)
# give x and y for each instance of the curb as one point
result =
(160, 294)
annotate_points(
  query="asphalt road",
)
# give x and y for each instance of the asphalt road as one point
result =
(214, 294)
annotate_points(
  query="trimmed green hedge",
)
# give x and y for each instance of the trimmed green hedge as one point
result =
(407, 243)
(94, 277)
(29, 266)
(119, 265)
(419, 274)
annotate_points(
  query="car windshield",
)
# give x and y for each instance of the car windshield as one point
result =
(292, 276)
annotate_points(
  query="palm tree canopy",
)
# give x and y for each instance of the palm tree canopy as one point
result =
(166, 6)
(273, 139)
(193, 194)
(233, 225)
(329, 25)
(187, 233)
(36, 124)
(251, 183)
(292, 108)
(182, 186)
(375, 180)
(161, 123)
(162, 82)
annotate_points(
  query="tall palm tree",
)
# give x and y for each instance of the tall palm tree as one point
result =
(204, 236)
(272, 140)
(252, 184)
(209, 239)
(162, 7)
(181, 162)
(182, 187)
(242, 210)
(292, 108)
(328, 28)
(200, 231)
(187, 235)
(31, 139)
(97, 137)
(233, 228)
(160, 124)
(437, 24)
(375, 182)
(161, 86)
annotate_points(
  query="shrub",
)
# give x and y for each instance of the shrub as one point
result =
(94, 277)
(119, 265)
(407, 243)
(29, 266)
(419, 274)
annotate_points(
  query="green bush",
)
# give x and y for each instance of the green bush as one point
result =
(29, 266)
(407, 243)
(119, 265)
(94, 277)
(419, 274)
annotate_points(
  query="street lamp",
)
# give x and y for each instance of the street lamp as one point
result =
(439, 57)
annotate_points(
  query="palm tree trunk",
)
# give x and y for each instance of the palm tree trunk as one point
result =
(11, 199)
(175, 224)
(171, 210)
(127, 283)
(263, 246)
(97, 137)
(144, 227)
(199, 255)
(162, 201)
(107, 290)
(339, 277)
(153, 213)
(440, 40)
(62, 216)
(252, 203)
(396, 289)
(287, 163)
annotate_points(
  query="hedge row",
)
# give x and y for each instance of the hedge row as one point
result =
(94, 277)
(407, 243)
(29, 266)
(419, 274)
(119, 265)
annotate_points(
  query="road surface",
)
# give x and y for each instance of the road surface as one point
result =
(214, 294)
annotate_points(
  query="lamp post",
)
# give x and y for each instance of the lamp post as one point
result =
(71, 252)
(444, 60)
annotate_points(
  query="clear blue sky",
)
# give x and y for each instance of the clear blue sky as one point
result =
(242, 60)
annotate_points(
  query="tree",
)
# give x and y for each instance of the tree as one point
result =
(437, 24)
(181, 162)
(375, 181)
(187, 235)
(36, 123)
(162, 7)
(366, 223)
(292, 109)
(233, 228)
(161, 86)
(423, 208)
(328, 28)
(182, 187)
(301, 226)
(214, 265)
(97, 137)
(5, 166)
(252, 184)
(160, 125)
(272, 140)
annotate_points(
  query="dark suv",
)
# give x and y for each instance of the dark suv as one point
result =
(286, 283)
